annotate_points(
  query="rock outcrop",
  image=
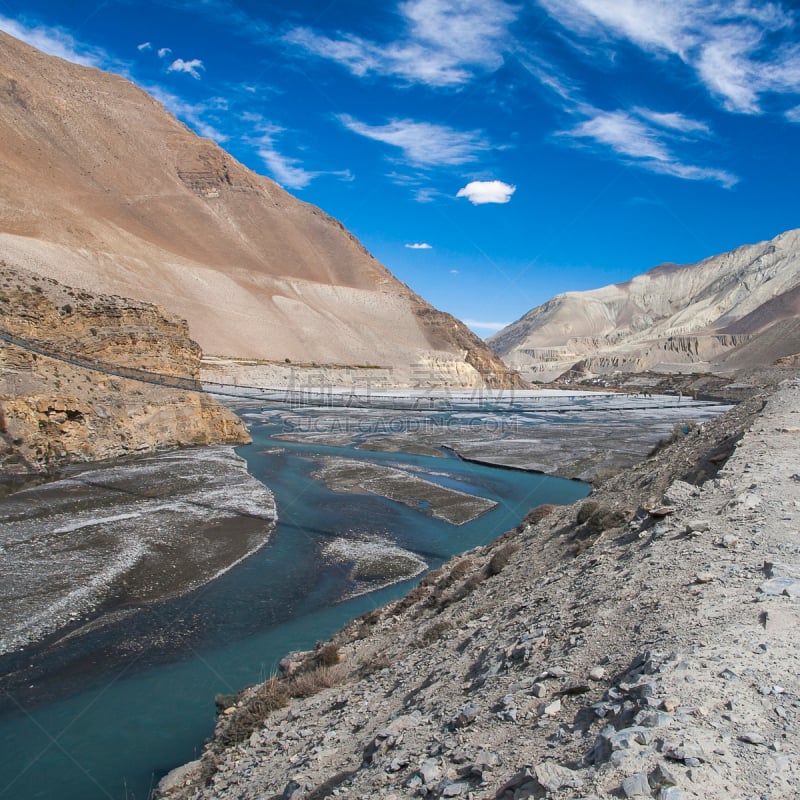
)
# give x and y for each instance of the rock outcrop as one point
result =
(641, 643)
(105, 190)
(735, 311)
(53, 412)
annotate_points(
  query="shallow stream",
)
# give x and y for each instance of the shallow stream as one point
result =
(107, 713)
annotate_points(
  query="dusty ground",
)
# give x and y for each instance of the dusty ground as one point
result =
(643, 646)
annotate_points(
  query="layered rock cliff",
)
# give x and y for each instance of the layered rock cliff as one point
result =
(53, 412)
(105, 190)
(733, 311)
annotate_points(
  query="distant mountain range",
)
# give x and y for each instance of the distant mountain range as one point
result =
(102, 189)
(738, 310)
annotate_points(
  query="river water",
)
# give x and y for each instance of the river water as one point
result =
(112, 710)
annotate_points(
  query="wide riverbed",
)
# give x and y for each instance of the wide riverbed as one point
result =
(105, 713)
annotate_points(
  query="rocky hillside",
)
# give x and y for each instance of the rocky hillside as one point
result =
(734, 311)
(641, 643)
(105, 190)
(52, 412)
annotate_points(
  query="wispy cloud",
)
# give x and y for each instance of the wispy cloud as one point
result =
(55, 42)
(285, 170)
(423, 143)
(673, 120)
(443, 43)
(741, 50)
(163, 52)
(191, 113)
(482, 192)
(644, 145)
(144, 46)
(418, 246)
(192, 67)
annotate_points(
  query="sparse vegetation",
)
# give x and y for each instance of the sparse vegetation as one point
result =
(500, 559)
(329, 654)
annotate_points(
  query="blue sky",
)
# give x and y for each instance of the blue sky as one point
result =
(490, 153)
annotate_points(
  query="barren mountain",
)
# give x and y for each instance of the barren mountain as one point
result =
(736, 310)
(102, 188)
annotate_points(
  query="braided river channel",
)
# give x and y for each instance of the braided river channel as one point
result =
(112, 710)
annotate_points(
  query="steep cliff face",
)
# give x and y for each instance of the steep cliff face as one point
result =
(105, 190)
(53, 413)
(731, 311)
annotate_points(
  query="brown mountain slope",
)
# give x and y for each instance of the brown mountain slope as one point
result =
(735, 310)
(102, 188)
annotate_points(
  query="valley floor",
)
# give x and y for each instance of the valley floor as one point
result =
(641, 643)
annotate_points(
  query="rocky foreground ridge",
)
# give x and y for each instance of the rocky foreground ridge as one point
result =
(105, 190)
(641, 643)
(735, 311)
(53, 413)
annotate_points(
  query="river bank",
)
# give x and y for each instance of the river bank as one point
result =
(115, 537)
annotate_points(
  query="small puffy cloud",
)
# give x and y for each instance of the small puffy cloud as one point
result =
(454, 272)
(144, 46)
(192, 67)
(163, 52)
(418, 246)
(482, 192)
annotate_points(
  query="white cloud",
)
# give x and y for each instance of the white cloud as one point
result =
(144, 46)
(445, 43)
(423, 143)
(643, 145)
(286, 170)
(163, 52)
(739, 49)
(482, 192)
(418, 246)
(55, 42)
(793, 114)
(190, 113)
(674, 121)
(486, 326)
(454, 272)
(192, 67)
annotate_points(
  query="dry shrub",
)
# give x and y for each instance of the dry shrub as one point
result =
(375, 664)
(328, 655)
(460, 569)
(431, 577)
(586, 510)
(598, 518)
(315, 680)
(537, 514)
(500, 559)
(434, 632)
(266, 698)
(413, 597)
